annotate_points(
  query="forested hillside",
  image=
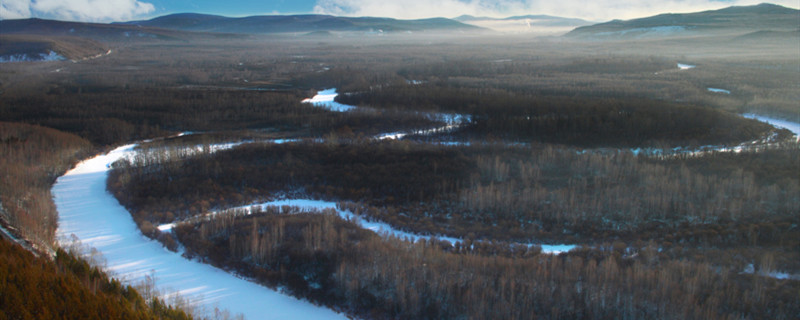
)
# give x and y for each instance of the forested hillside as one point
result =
(31, 158)
(69, 288)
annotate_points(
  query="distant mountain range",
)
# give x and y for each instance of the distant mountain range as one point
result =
(94, 31)
(298, 24)
(38, 37)
(757, 18)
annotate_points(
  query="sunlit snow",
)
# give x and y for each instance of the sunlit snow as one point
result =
(93, 216)
(793, 126)
(324, 99)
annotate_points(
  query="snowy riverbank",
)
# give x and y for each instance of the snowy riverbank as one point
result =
(93, 216)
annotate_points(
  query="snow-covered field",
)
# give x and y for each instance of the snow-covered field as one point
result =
(93, 216)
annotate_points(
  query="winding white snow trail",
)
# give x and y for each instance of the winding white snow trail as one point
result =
(378, 227)
(325, 99)
(793, 126)
(87, 211)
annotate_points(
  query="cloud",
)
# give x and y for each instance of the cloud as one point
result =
(15, 9)
(599, 10)
(75, 10)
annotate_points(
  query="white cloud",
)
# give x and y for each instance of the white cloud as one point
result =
(599, 10)
(76, 10)
(15, 9)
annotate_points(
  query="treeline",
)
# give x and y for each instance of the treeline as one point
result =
(472, 68)
(107, 115)
(583, 121)
(31, 158)
(69, 288)
(332, 261)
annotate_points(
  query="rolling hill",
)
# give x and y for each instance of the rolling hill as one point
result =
(41, 48)
(95, 31)
(297, 23)
(745, 19)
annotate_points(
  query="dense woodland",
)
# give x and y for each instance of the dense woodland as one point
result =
(583, 121)
(332, 261)
(112, 115)
(31, 158)
(486, 192)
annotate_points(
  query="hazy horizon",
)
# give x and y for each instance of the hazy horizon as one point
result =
(126, 10)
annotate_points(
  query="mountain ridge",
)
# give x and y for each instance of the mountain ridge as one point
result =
(759, 17)
(265, 24)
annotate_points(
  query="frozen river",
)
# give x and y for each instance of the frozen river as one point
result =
(92, 215)
(88, 213)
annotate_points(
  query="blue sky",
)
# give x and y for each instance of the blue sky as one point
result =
(235, 8)
(126, 10)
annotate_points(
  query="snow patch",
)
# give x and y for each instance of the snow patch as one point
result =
(717, 90)
(684, 66)
(793, 126)
(324, 99)
(50, 56)
(750, 269)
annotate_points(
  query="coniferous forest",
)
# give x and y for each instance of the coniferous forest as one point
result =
(675, 205)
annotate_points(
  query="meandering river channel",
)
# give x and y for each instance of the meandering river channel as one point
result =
(91, 215)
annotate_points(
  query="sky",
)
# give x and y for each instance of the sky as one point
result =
(126, 10)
